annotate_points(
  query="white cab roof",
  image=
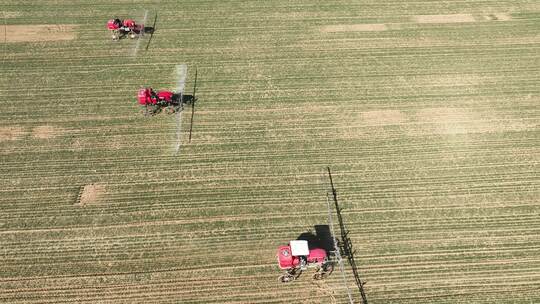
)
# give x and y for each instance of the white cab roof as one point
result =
(299, 247)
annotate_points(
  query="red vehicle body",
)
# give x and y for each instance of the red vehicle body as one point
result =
(153, 102)
(129, 23)
(297, 257)
(287, 260)
(147, 96)
(128, 27)
(113, 24)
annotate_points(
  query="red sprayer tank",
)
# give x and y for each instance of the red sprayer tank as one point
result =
(144, 97)
(112, 25)
(165, 95)
(129, 23)
(298, 257)
(316, 255)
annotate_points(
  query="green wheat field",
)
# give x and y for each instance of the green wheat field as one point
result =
(428, 113)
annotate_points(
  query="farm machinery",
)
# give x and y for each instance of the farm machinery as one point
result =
(121, 28)
(297, 257)
(173, 102)
(153, 102)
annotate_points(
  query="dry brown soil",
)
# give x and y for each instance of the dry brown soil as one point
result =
(382, 117)
(35, 33)
(376, 27)
(45, 132)
(11, 133)
(498, 17)
(91, 194)
(463, 121)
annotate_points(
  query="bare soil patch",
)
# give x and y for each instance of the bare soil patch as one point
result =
(376, 27)
(451, 121)
(90, 194)
(382, 117)
(452, 18)
(45, 132)
(36, 33)
(498, 17)
(463, 121)
(11, 133)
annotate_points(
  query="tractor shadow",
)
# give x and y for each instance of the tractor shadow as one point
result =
(322, 238)
(149, 30)
(187, 99)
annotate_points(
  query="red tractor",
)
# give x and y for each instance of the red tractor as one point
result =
(127, 27)
(153, 102)
(297, 257)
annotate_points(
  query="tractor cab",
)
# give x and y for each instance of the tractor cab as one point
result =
(114, 24)
(297, 257)
(153, 101)
(300, 249)
(128, 25)
(146, 96)
(165, 96)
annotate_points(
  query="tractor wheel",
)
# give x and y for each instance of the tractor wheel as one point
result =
(318, 276)
(132, 35)
(115, 35)
(147, 110)
(328, 268)
(151, 110)
(169, 110)
(324, 271)
(286, 278)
